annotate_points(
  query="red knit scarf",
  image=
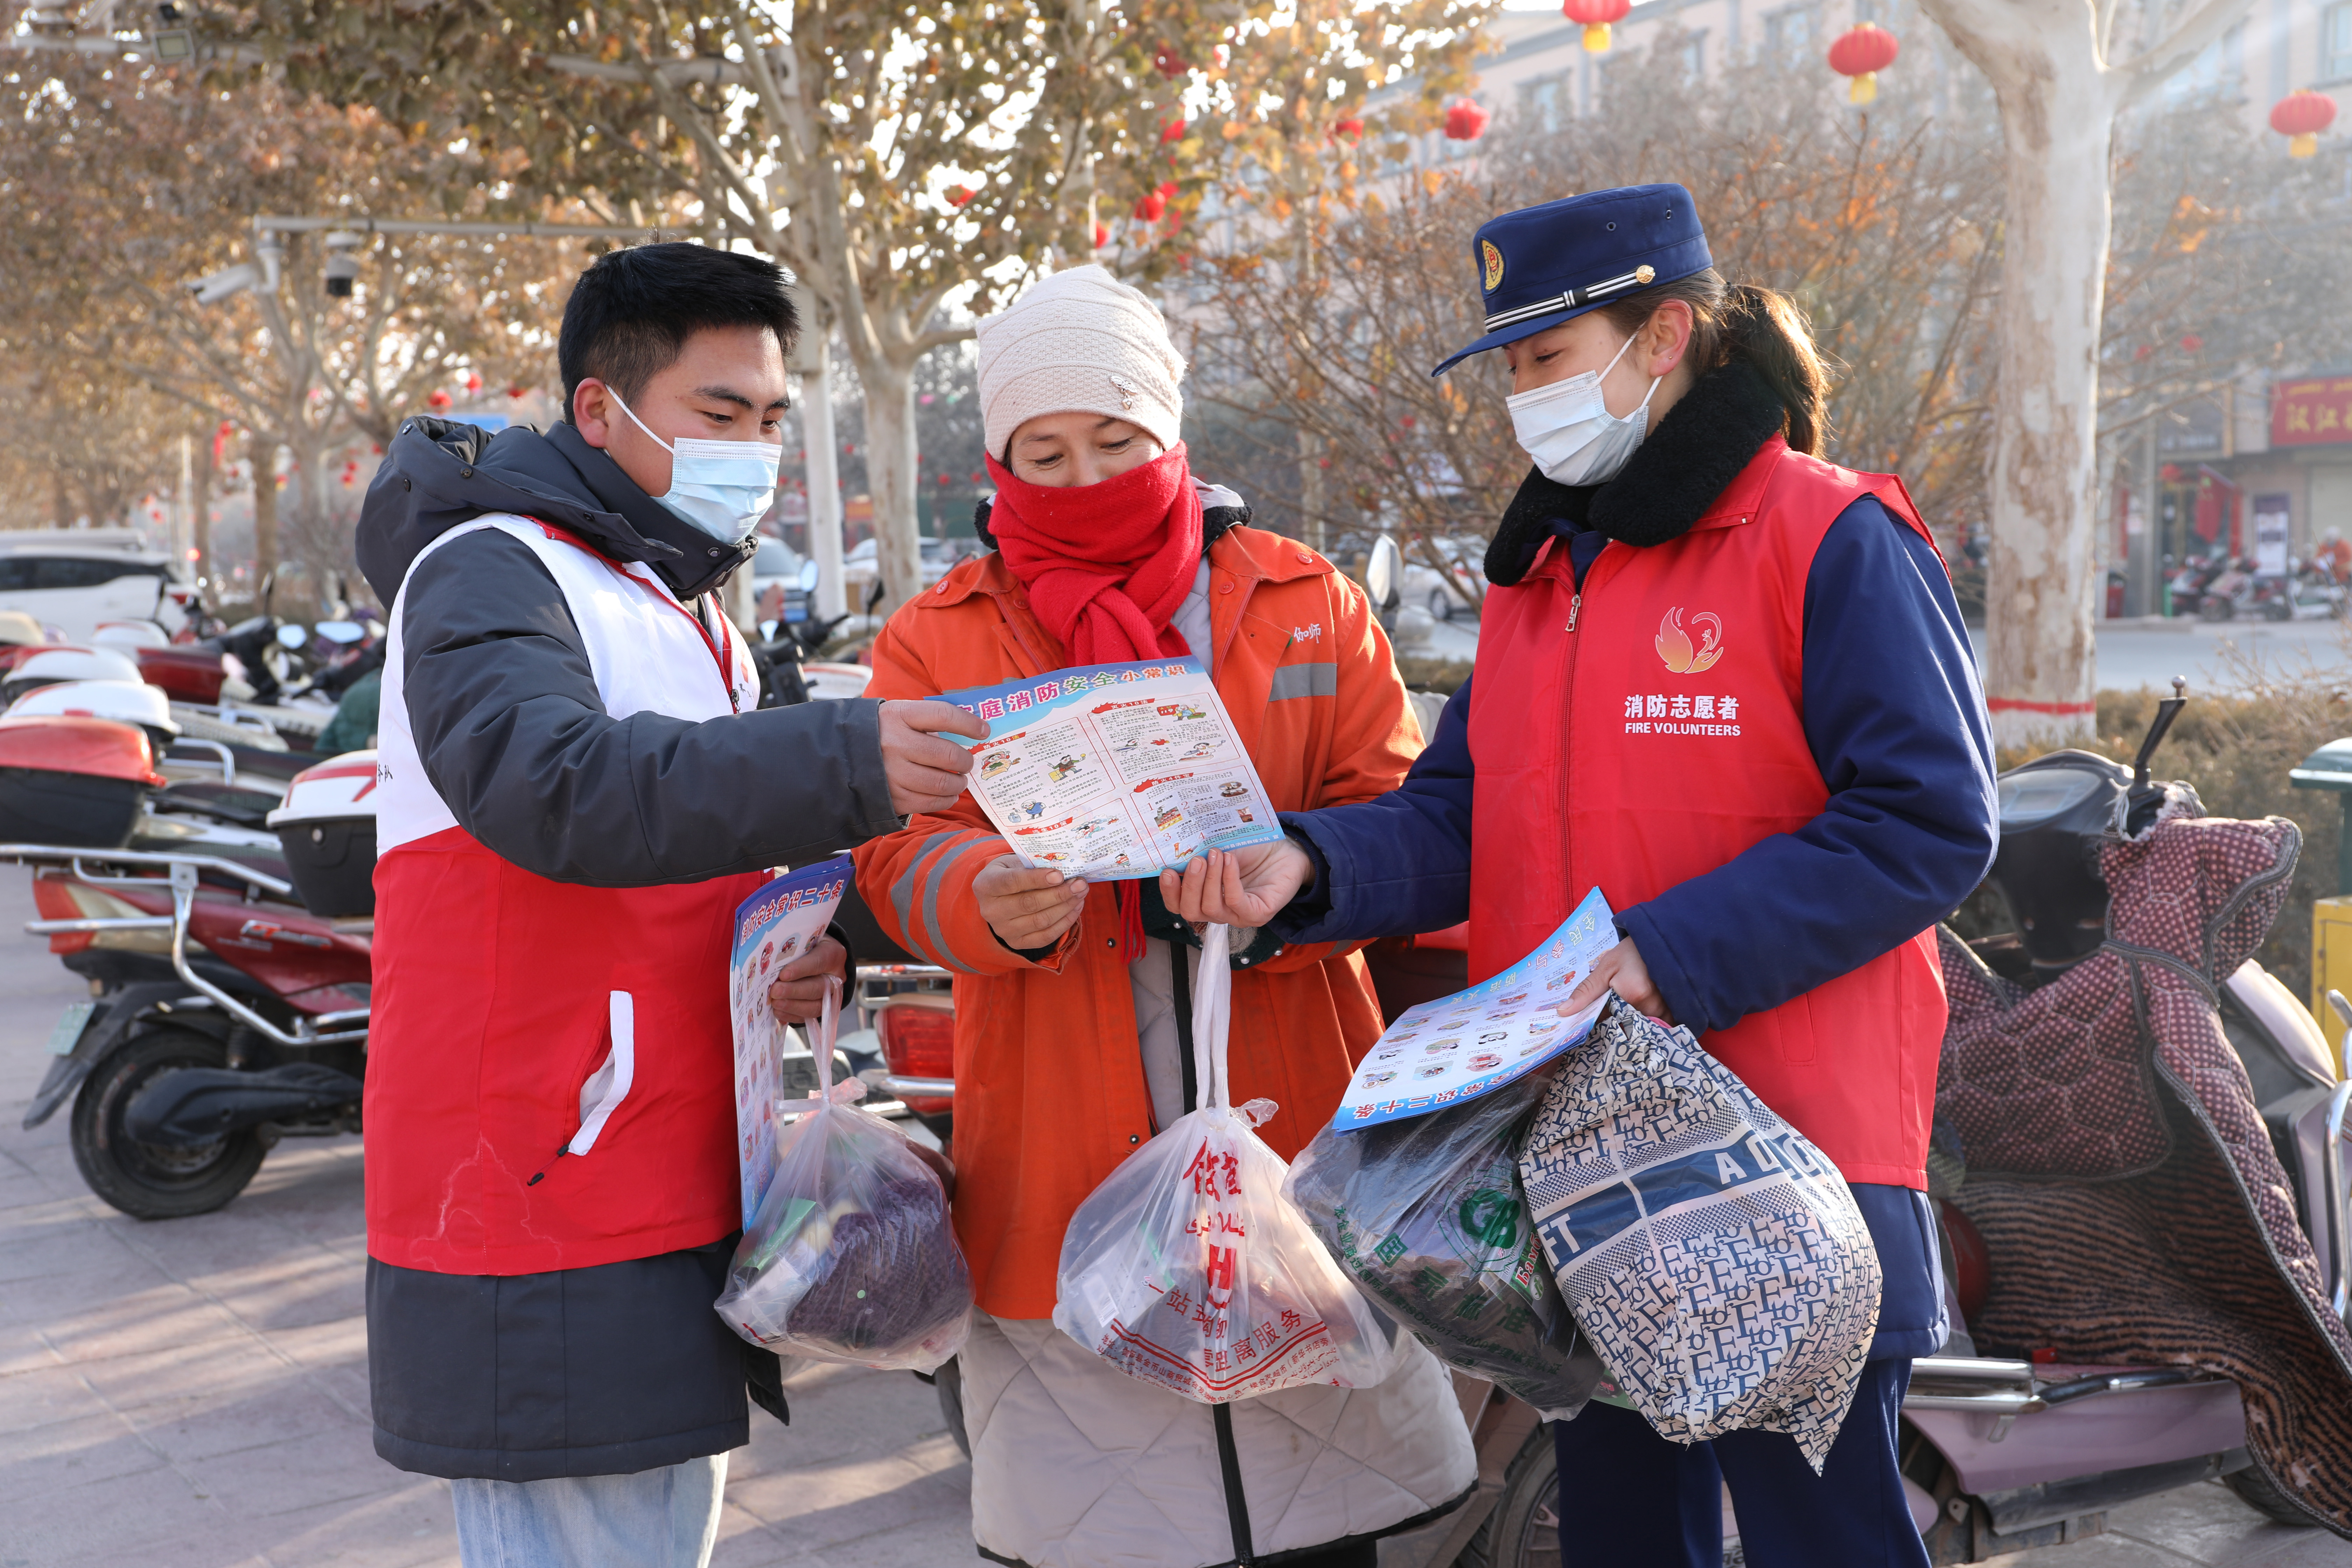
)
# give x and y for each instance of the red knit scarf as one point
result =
(1106, 566)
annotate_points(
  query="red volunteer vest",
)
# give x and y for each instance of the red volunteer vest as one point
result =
(493, 1005)
(551, 1071)
(1648, 730)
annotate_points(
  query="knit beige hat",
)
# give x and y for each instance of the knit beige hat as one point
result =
(1079, 342)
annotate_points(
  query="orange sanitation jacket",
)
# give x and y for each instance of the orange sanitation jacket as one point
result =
(1050, 1093)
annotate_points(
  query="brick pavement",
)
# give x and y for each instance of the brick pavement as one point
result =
(193, 1393)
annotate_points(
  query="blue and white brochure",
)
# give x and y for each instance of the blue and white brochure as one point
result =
(1114, 771)
(1474, 1042)
(772, 927)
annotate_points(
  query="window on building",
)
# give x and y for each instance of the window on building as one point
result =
(1789, 32)
(1544, 102)
(2218, 71)
(1695, 53)
(2335, 42)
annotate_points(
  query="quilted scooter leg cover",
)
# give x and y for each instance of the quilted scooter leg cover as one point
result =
(1713, 1256)
(2134, 1208)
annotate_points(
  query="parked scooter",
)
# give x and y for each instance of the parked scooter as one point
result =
(2017, 1450)
(224, 1015)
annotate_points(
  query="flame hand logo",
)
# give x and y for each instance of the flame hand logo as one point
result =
(1674, 643)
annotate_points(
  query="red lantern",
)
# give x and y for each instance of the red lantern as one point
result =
(1347, 130)
(2191, 344)
(1596, 16)
(439, 400)
(514, 392)
(1465, 121)
(1101, 233)
(1862, 51)
(1172, 131)
(472, 383)
(2301, 116)
(1152, 205)
(2169, 473)
(1168, 63)
(959, 194)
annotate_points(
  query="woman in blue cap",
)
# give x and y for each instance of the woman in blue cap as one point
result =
(1727, 683)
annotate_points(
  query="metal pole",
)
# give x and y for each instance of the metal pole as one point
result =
(517, 228)
(2147, 573)
(185, 535)
(824, 469)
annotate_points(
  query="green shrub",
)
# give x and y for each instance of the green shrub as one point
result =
(2236, 752)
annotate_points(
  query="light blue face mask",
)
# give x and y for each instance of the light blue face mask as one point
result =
(722, 487)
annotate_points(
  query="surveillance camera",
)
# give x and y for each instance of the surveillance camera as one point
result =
(228, 282)
(342, 267)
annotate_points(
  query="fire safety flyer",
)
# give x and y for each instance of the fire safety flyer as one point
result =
(1114, 771)
(1474, 1042)
(772, 927)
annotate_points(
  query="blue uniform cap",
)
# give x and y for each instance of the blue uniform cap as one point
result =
(1544, 265)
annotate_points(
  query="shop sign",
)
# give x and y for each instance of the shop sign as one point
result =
(2311, 413)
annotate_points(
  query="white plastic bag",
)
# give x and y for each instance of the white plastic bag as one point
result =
(1188, 1268)
(851, 1258)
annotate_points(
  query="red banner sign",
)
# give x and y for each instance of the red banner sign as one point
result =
(2311, 413)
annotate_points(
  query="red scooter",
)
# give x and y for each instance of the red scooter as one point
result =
(224, 1013)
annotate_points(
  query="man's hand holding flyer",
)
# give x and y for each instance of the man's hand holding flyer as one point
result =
(1114, 771)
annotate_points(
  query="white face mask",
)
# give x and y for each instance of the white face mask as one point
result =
(1570, 432)
(722, 487)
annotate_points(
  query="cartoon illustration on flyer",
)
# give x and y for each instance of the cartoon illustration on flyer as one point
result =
(1116, 771)
(1474, 1042)
(773, 925)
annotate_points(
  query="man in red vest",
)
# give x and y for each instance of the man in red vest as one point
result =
(1728, 684)
(576, 785)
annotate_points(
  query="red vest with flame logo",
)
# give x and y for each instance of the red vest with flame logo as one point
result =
(1646, 730)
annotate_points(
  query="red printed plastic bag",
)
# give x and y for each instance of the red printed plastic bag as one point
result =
(1188, 1268)
(851, 1258)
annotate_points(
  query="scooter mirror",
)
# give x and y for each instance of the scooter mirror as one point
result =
(293, 638)
(1384, 573)
(808, 576)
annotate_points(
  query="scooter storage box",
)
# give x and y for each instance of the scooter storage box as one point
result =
(328, 828)
(78, 783)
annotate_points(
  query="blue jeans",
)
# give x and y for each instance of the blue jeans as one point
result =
(1630, 1499)
(666, 1518)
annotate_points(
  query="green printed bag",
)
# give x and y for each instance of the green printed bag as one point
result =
(1426, 1214)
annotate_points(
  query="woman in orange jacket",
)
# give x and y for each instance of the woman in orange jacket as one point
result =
(1072, 1027)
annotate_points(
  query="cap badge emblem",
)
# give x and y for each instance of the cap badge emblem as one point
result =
(1493, 260)
(1644, 272)
(1126, 391)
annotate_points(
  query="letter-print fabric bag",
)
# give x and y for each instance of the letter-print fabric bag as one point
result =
(1711, 1254)
(1188, 1268)
(851, 1257)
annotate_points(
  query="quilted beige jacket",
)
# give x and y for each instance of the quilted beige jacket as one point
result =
(1077, 1465)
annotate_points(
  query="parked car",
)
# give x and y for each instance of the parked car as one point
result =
(1444, 593)
(73, 579)
(940, 555)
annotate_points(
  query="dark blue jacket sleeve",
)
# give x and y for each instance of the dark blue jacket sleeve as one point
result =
(1394, 865)
(1896, 720)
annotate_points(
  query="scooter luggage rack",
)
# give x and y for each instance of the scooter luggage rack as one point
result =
(2009, 1389)
(182, 873)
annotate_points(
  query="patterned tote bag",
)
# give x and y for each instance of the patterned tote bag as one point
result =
(1712, 1255)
